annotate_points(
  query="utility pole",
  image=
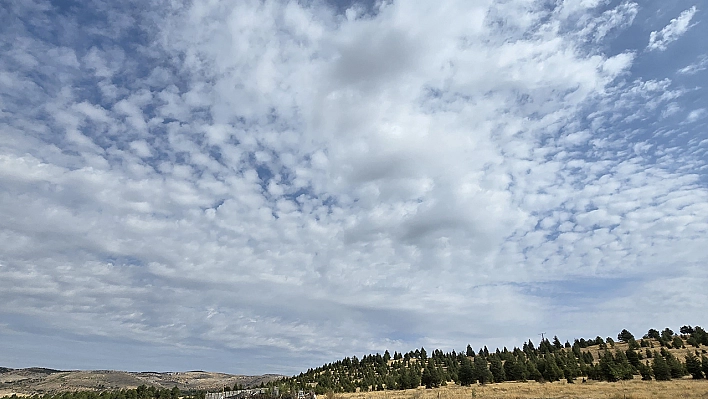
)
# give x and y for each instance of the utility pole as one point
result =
(541, 334)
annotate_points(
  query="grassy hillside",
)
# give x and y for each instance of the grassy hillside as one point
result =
(662, 356)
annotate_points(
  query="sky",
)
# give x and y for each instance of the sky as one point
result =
(265, 186)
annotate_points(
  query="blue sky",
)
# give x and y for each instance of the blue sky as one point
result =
(266, 186)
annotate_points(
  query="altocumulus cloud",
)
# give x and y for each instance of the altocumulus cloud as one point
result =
(264, 186)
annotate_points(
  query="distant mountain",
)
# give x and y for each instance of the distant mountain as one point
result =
(44, 380)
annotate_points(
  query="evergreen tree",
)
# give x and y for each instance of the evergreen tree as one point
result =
(548, 368)
(608, 371)
(645, 371)
(481, 370)
(677, 342)
(466, 373)
(652, 333)
(430, 377)
(497, 369)
(693, 366)
(675, 366)
(533, 372)
(470, 351)
(667, 335)
(632, 358)
(623, 366)
(515, 370)
(625, 336)
(687, 330)
(660, 369)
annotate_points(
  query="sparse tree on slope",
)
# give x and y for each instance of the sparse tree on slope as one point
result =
(625, 336)
(660, 369)
(693, 366)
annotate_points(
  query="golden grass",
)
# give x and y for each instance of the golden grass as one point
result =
(636, 389)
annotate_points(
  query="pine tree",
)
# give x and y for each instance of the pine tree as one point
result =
(652, 333)
(660, 368)
(677, 342)
(675, 366)
(481, 370)
(514, 370)
(466, 373)
(645, 371)
(607, 368)
(533, 372)
(632, 358)
(693, 366)
(625, 336)
(497, 369)
(469, 352)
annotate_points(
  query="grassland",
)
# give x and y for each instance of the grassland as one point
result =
(636, 389)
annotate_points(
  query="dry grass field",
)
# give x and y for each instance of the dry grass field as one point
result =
(636, 389)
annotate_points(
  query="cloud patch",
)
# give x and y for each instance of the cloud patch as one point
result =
(659, 40)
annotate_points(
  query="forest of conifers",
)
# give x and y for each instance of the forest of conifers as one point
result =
(660, 355)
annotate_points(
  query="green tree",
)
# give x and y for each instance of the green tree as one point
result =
(667, 334)
(515, 370)
(645, 371)
(632, 358)
(607, 368)
(677, 342)
(466, 373)
(660, 369)
(625, 336)
(652, 333)
(469, 352)
(533, 372)
(675, 366)
(497, 369)
(431, 377)
(481, 370)
(693, 366)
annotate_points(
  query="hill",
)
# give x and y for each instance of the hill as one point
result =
(42, 380)
(660, 356)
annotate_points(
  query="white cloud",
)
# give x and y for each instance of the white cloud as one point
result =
(659, 40)
(700, 65)
(695, 115)
(273, 178)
